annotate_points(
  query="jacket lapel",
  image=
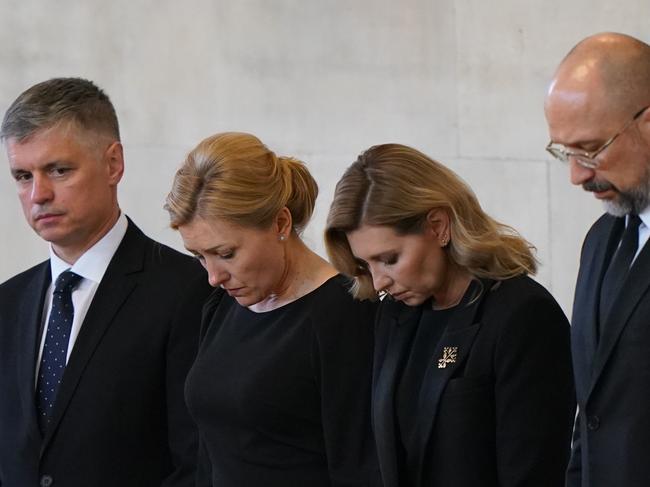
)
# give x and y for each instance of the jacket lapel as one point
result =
(400, 325)
(118, 283)
(30, 320)
(633, 289)
(451, 352)
(584, 320)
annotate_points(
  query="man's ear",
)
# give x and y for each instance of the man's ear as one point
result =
(115, 158)
(643, 123)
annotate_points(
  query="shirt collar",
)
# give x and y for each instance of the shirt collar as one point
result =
(93, 262)
(645, 217)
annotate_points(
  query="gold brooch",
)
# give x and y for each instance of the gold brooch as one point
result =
(448, 357)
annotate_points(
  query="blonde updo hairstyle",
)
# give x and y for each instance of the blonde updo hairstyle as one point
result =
(233, 176)
(397, 186)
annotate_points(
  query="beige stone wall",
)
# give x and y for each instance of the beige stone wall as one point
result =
(462, 80)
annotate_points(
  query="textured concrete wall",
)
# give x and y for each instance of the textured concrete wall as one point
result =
(462, 80)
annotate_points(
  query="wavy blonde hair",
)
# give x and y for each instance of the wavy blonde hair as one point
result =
(397, 186)
(235, 177)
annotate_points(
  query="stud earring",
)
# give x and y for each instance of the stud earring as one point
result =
(281, 237)
(444, 241)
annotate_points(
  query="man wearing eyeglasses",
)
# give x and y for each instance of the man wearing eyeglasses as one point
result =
(599, 124)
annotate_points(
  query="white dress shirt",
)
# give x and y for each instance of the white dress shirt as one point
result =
(91, 266)
(644, 230)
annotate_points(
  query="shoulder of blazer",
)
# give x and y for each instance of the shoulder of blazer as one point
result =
(518, 285)
(601, 227)
(521, 300)
(22, 282)
(516, 291)
(138, 252)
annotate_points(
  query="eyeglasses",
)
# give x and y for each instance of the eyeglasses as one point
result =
(588, 159)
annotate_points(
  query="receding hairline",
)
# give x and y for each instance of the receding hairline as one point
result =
(615, 63)
(93, 140)
(59, 100)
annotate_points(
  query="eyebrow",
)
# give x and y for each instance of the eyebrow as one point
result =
(46, 167)
(579, 144)
(380, 255)
(207, 251)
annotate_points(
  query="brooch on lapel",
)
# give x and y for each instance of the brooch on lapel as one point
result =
(449, 355)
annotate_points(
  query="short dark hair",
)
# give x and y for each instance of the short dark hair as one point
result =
(60, 100)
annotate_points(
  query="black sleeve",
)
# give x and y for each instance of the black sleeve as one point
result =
(535, 398)
(203, 476)
(342, 351)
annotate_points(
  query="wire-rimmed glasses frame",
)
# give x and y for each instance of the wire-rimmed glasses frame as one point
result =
(588, 159)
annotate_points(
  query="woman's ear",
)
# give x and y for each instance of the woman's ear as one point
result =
(438, 226)
(438, 222)
(283, 223)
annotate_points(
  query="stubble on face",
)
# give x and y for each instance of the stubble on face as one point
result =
(630, 201)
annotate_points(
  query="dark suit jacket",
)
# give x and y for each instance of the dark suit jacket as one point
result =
(501, 413)
(612, 434)
(120, 418)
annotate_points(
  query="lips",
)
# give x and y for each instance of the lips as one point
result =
(46, 217)
(399, 295)
(600, 189)
(233, 291)
(601, 195)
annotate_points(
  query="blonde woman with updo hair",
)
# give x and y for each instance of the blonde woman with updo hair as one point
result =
(280, 389)
(472, 382)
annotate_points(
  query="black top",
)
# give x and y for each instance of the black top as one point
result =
(281, 398)
(429, 330)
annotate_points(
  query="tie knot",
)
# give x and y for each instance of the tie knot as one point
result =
(66, 281)
(633, 222)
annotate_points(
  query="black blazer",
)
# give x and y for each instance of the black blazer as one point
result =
(500, 412)
(612, 433)
(120, 418)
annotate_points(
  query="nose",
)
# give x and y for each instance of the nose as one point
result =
(579, 174)
(41, 190)
(380, 281)
(217, 275)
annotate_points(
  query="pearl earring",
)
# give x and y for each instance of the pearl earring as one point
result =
(444, 241)
(281, 237)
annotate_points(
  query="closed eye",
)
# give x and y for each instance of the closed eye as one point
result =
(389, 259)
(22, 176)
(59, 171)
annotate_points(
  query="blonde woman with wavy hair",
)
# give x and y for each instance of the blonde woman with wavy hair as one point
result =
(472, 370)
(280, 389)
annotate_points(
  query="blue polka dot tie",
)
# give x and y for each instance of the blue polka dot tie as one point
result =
(56, 346)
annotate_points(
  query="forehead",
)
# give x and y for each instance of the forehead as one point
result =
(205, 233)
(578, 109)
(63, 141)
(371, 240)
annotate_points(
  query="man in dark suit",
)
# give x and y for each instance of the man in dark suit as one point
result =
(599, 123)
(95, 342)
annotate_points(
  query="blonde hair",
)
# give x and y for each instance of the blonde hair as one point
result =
(235, 177)
(397, 186)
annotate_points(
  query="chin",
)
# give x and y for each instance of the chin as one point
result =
(414, 301)
(245, 300)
